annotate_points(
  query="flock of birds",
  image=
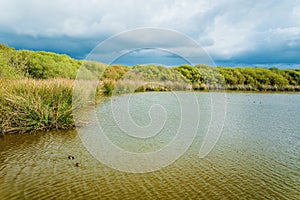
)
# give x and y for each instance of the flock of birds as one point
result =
(70, 157)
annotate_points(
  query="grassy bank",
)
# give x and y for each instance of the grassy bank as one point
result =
(36, 88)
(34, 105)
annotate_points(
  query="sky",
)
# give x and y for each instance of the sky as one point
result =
(254, 33)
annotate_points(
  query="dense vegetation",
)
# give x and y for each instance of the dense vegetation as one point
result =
(201, 77)
(39, 65)
(32, 105)
(44, 65)
(141, 78)
(36, 87)
(247, 79)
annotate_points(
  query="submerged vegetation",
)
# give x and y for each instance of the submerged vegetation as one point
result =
(36, 88)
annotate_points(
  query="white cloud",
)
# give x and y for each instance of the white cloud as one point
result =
(286, 34)
(226, 29)
(90, 17)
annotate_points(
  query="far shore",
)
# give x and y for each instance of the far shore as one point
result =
(36, 87)
(32, 105)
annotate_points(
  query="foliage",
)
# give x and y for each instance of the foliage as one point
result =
(115, 72)
(121, 79)
(36, 88)
(50, 65)
(260, 79)
(255, 78)
(91, 70)
(108, 87)
(191, 73)
(41, 65)
(157, 73)
(33, 105)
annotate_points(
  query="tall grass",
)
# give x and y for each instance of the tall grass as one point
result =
(34, 105)
(123, 86)
(28, 105)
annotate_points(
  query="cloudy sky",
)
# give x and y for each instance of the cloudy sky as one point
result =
(232, 32)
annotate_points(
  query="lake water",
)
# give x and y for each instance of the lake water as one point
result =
(256, 157)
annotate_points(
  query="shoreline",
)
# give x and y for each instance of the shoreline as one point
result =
(33, 105)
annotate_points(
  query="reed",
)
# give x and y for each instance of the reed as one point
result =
(29, 105)
(123, 86)
(33, 105)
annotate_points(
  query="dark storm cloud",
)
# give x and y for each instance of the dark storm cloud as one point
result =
(230, 31)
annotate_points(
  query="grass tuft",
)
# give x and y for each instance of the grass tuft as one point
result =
(34, 105)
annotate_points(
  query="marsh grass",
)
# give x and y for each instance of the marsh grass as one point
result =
(29, 105)
(264, 88)
(123, 86)
(33, 105)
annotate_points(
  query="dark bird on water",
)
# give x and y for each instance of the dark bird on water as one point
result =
(71, 157)
(77, 164)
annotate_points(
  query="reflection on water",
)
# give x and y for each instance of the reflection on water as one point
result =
(257, 157)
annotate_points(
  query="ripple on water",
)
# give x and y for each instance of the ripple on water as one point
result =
(252, 160)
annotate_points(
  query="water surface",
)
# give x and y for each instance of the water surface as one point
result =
(257, 156)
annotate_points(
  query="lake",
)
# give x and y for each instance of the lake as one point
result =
(256, 156)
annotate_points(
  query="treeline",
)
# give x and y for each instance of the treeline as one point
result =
(44, 65)
(251, 79)
(38, 65)
(36, 88)
(202, 77)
